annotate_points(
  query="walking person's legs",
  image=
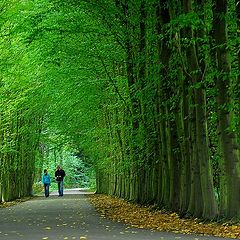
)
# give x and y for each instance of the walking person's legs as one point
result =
(46, 190)
(61, 188)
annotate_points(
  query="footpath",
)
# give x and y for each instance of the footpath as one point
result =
(71, 217)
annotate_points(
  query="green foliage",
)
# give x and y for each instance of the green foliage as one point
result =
(125, 85)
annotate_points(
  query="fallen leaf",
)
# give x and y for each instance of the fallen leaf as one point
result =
(47, 228)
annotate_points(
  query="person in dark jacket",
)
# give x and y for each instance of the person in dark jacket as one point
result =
(59, 176)
(46, 182)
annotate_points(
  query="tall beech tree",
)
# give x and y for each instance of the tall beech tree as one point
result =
(229, 149)
(196, 71)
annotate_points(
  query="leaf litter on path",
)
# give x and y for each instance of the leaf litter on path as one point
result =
(145, 217)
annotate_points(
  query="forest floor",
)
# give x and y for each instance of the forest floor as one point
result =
(147, 217)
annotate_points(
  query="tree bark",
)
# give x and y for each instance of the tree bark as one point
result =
(229, 149)
(201, 141)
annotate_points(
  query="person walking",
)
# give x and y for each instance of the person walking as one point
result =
(46, 180)
(59, 176)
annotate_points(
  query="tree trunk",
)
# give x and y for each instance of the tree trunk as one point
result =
(201, 141)
(229, 149)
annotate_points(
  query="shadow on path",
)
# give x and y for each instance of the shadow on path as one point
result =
(70, 217)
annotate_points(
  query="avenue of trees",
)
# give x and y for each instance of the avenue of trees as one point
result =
(146, 90)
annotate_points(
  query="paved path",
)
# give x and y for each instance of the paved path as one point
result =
(70, 217)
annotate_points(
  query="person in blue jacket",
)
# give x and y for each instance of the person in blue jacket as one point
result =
(46, 182)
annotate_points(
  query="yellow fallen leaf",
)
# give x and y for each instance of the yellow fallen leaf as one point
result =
(47, 228)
